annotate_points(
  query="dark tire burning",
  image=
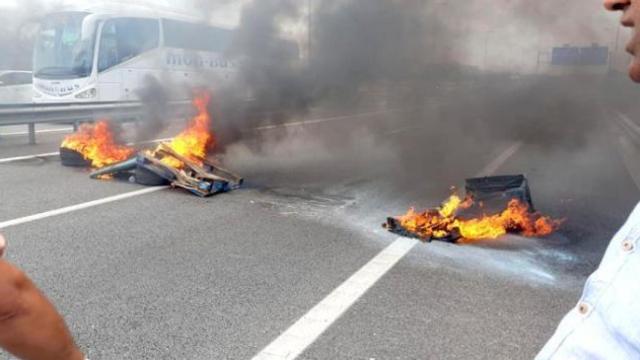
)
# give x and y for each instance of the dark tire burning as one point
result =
(148, 178)
(73, 158)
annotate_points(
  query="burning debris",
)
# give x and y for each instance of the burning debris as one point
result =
(93, 145)
(150, 168)
(458, 219)
(195, 141)
(182, 162)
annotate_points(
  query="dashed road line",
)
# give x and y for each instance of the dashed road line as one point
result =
(78, 207)
(305, 331)
(260, 128)
(29, 157)
(628, 123)
(65, 130)
(493, 166)
(322, 120)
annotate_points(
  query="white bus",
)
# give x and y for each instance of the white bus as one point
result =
(105, 53)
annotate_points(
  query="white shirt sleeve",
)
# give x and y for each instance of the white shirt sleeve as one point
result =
(605, 324)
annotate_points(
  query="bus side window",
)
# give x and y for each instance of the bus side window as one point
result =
(125, 38)
(183, 35)
(108, 53)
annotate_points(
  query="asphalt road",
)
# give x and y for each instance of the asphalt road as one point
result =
(167, 275)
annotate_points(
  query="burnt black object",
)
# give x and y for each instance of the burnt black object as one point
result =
(73, 158)
(134, 168)
(148, 177)
(394, 226)
(500, 190)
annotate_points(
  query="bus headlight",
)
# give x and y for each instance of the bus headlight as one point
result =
(87, 94)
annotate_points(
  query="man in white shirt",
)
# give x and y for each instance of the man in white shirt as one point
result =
(605, 324)
(30, 327)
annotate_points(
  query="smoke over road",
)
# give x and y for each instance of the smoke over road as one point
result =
(407, 55)
(437, 112)
(445, 86)
(411, 59)
(442, 121)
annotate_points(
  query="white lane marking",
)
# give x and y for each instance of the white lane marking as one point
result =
(28, 157)
(73, 208)
(37, 132)
(44, 155)
(290, 344)
(261, 128)
(630, 124)
(316, 121)
(493, 166)
(305, 331)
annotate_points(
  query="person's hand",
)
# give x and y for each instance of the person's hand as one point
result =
(35, 330)
(3, 245)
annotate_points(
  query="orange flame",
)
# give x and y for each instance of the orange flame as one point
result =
(194, 142)
(96, 143)
(442, 222)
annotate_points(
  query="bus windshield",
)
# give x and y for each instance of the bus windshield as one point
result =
(64, 47)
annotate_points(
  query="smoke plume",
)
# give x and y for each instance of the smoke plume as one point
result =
(17, 33)
(436, 109)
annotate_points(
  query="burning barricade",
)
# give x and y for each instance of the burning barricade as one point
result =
(93, 145)
(492, 207)
(182, 162)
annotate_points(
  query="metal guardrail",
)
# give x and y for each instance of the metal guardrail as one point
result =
(75, 113)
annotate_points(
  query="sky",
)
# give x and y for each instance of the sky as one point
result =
(14, 3)
(512, 36)
(228, 14)
(508, 34)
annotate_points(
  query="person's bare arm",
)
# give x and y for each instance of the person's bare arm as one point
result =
(30, 326)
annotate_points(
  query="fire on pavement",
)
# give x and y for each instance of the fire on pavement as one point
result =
(183, 162)
(491, 208)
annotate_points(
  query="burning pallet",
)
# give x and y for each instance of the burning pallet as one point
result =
(180, 162)
(151, 168)
(493, 207)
